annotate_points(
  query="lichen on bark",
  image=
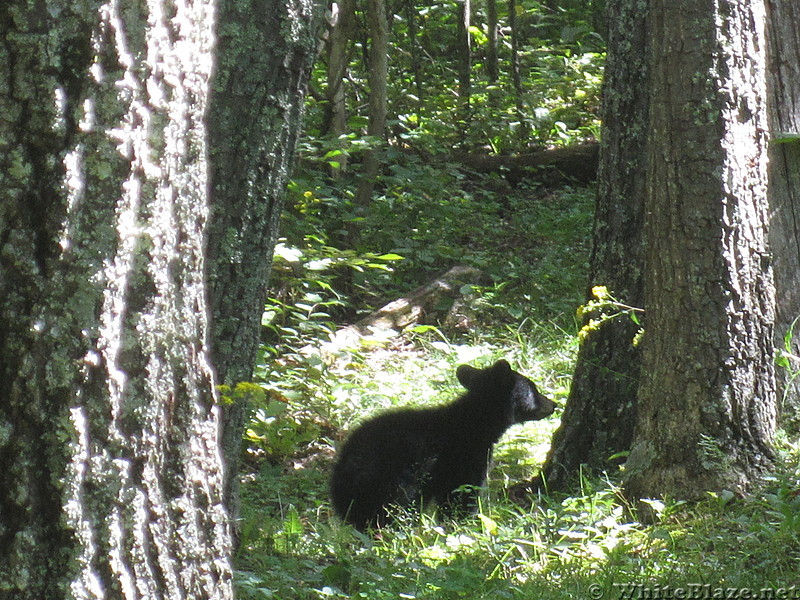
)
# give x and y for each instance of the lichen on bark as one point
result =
(265, 49)
(112, 477)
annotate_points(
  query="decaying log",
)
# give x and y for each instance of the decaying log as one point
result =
(413, 308)
(555, 165)
(416, 307)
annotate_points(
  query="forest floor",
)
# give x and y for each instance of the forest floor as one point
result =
(533, 245)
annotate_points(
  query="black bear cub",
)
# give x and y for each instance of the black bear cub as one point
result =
(411, 457)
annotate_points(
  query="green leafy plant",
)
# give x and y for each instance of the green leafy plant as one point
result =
(278, 432)
(604, 307)
(339, 259)
(306, 277)
(787, 359)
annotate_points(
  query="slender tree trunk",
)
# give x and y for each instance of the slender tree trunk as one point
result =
(706, 411)
(464, 64)
(600, 14)
(415, 50)
(378, 27)
(600, 413)
(111, 475)
(339, 44)
(491, 51)
(784, 190)
(265, 50)
(516, 77)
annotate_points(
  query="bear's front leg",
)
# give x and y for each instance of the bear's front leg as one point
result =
(460, 502)
(459, 496)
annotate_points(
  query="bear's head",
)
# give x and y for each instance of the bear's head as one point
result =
(520, 394)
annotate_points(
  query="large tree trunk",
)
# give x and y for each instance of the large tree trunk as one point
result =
(265, 50)
(706, 411)
(111, 476)
(784, 191)
(600, 413)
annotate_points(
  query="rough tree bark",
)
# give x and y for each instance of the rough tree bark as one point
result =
(784, 189)
(265, 52)
(706, 402)
(111, 475)
(600, 412)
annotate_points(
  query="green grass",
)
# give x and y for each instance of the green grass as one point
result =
(561, 547)
(590, 544)
(292, 546)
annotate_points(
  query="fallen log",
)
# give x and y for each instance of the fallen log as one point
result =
(556, 165)
(421, 302)
(419, 306)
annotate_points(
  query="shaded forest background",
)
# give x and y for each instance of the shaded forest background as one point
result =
(445, 159)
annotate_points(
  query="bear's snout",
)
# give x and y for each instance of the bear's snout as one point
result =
(528, 404)
(545, 406)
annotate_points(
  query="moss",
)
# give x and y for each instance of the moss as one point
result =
(20, 168)
(640, 460)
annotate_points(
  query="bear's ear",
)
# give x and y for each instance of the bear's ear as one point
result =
(501, 374)
(466, 375)
(501, 365)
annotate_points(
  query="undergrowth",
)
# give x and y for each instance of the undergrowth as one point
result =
(588, 545)
(532, 245)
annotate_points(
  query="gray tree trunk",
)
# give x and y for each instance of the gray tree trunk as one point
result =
(339, 44)
(600, 413)
(492, 65)
(707, 402)
(464, 64)
(265, 51)
(784, 191)
(516, 76)
(378, 28)
(111, 475)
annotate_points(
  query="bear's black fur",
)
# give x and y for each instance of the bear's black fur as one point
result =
(410, 457)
